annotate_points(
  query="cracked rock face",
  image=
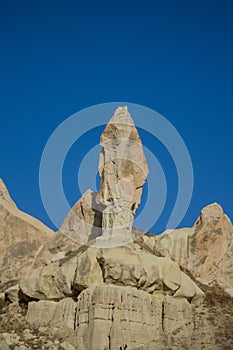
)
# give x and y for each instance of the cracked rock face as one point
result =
(109, 317)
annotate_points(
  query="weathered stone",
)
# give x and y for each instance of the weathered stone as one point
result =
(84, 221)
(12, 294)
(10, 339)
(177, 320)
(122, 166)
(123, 171)
(50, 282)
(47, 313)
(206, 249)
(4, 194)
(88, 272)
(59, 256)
(139, 296)
(21, 237)
(67, 346)
(63, 278)
(110, 317)
(137, 268)
(3, 345)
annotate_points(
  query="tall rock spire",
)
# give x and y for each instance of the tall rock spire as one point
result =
(123, 171)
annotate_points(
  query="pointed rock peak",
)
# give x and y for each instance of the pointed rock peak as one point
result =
(120, 126)
(211, 215)
(213, 209)
(122, 116)
(123, 171)
(4, 194)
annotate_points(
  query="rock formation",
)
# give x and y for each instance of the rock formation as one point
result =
(123, 170)
(205, 250)
(172, 291)
(21, 237)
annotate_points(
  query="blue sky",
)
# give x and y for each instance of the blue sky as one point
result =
(172, 56)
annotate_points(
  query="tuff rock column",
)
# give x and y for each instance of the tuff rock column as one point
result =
(123, 171)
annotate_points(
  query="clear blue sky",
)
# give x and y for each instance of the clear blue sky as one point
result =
(175, 57)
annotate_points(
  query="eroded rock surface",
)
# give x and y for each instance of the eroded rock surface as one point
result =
(205, 250)
(127, 266)
(123, 171)
(21, 239)
(157, 292)
(105, 218)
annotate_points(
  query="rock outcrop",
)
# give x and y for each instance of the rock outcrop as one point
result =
(49, 313)
(130, 266)
(126, 266)
(21, 239)
(124, 316)
(123, 289)
(123, 171)
(105, 218)
(205, 250)
(26, 243)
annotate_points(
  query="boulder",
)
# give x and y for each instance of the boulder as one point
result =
(63, 278)
(129, 266)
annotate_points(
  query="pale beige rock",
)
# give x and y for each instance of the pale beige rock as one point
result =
(50, 313)
(83, 222)
(59, 256)
(122, 166)
(88, 271)
(10, 339)
(57, 244)
(21, 239)
(63, 278)
(4, 194)
(129, 266)
(109, 317)
(12, 294)
(206, 249)
(50, 282)
(3, 345)
(177, 320)
(67, 346)
(123, 171)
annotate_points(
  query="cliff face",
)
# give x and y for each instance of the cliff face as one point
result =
(172, 291)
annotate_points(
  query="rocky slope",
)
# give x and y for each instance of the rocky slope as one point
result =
(21, 239)
(172, 291)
